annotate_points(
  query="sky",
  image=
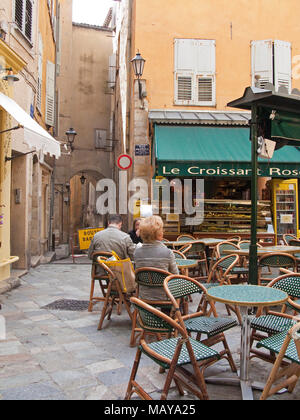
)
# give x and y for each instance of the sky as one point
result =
(92, 12)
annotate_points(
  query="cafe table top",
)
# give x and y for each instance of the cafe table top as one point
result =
(205, 241)
(265, 250)
(186, 263)
(247, 295)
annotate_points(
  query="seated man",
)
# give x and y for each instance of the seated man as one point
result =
(113, 239)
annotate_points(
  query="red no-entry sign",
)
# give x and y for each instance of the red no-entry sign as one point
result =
(124, 162)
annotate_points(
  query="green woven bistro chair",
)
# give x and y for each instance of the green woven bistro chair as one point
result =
(287, 237)
(296, 242)
(275, 260)
(174, 354)
(240, 271)
(177, 289)
(113, 293)
(151, 280)
(179, 255)
(185, 248)
(185, 237)
(286, 345)
(222, 272)
(272, 322)
(197, 252)
(100, 276)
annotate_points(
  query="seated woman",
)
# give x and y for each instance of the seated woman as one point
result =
(135, 232)
(153, 253)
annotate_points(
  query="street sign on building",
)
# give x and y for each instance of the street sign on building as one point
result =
(124, 162)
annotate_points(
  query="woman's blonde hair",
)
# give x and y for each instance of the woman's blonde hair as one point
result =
(150, 228)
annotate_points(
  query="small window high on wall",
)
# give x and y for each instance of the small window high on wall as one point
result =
(195, 72)
(271, 63)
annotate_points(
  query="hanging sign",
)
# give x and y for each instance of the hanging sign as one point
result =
(124, 162)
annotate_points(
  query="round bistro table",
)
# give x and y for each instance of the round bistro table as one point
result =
(184, 265)
(246, 297)
(205, 241)
(265, 250)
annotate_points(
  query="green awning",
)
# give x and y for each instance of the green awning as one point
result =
(217, 151)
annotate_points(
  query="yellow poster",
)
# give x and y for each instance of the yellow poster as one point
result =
(85, 236)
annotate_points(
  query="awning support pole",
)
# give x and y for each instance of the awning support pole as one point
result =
(253, 268)
(8, 159)
(11, 129)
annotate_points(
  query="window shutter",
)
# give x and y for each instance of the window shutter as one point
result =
(40, 75)
(184, 55)
(184, 88)
(100, 138)
(28, 19)
(112, 65)
(184, 68)
(205, 89)
(50, 94)
(262, 62)
(19, 13)
(205, 55)
(283, 65)
(195, 69)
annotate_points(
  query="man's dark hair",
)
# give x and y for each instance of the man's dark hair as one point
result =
(114, 219)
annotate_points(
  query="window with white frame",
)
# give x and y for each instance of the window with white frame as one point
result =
(195, 72)
(24, 17)
(271, 62)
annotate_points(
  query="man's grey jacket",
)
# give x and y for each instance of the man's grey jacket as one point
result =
(112, 239)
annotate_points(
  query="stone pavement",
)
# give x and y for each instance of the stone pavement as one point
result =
(60, 355)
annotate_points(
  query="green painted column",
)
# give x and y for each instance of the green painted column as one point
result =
(253, 273)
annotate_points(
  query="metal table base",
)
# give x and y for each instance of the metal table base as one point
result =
(242, 379)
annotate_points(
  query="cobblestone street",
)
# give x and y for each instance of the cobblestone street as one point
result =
(60, 355)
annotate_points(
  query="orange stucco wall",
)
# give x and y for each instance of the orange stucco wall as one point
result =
(46, 31)
(233, 24)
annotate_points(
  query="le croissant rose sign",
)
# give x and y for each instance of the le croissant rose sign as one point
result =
(272, 170)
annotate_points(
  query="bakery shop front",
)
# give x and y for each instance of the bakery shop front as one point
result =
(219, 152)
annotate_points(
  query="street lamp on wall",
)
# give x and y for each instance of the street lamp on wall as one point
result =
(138, 64)
(82, 179)
(10, 77)
(71, 134)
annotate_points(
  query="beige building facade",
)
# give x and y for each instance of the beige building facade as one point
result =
(84, 98)
(198, 59)
(25, 26)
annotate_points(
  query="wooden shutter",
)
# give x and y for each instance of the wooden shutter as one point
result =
(19, 13)
(50, 94)
(40, 75)
(184, 71)
(205, 57)
(112, 65)
(195, 69)
(283, 65)
(184, 88)
(262, 62)
(28, 20)
(205, 89)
